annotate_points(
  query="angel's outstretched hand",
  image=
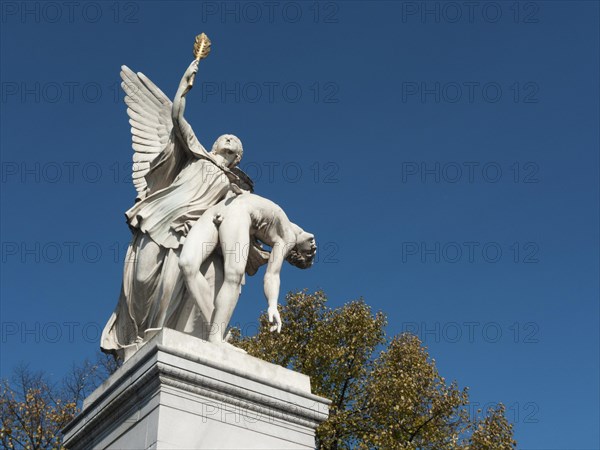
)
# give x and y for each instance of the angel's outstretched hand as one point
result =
(190, 74)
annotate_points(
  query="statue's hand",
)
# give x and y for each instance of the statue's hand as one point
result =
(190, 74)
(274, 315)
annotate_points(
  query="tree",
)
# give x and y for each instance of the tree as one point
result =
(493, 433)
(394, 400)
(33, 410)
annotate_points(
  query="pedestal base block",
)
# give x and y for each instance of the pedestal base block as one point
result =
(180, 392)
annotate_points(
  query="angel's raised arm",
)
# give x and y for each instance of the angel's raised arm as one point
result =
(182, 128)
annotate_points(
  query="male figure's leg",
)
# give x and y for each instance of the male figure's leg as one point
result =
(234, 236)
(200, 242)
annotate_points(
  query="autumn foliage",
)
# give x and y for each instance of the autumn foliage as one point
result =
(386, 392)
(33, 409)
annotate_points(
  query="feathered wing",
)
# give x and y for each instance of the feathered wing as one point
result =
(149, 111)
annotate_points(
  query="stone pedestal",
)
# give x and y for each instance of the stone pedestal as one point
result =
(180, 392)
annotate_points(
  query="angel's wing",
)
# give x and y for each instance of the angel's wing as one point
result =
(149, 111)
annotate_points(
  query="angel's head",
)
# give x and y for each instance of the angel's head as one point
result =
(229, 148)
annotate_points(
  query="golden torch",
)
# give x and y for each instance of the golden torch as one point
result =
(201, 49)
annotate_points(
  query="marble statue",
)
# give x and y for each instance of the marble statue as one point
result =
(197, 231)
(230, 225)
(177, 182)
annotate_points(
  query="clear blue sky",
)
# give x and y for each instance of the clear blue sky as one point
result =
(445, 156)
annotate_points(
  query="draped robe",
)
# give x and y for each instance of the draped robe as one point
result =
(183, 186)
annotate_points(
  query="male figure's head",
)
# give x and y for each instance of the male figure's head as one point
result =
(228, 150)
(303, 253)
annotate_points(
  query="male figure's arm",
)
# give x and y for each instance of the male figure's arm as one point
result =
(272, 282)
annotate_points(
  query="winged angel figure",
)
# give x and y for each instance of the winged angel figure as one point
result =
(176, 180)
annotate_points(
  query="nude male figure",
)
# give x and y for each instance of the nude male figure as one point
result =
(232, 224)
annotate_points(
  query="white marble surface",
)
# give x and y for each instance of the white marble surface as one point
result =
(178, 391)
